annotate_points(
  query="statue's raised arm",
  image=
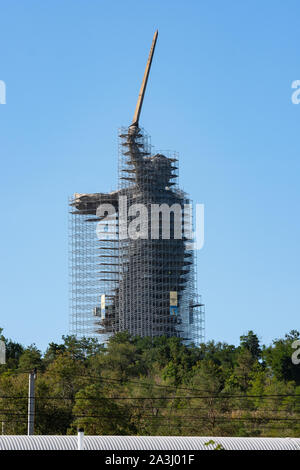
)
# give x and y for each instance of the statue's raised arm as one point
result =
(136, 151)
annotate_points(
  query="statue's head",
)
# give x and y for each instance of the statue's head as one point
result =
(160, 170)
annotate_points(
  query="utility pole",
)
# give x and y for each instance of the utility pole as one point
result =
(32, 377)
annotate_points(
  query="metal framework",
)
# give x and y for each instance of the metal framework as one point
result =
(126, 272)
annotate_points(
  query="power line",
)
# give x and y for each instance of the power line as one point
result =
(125, 381)
(167, 418)
(189, 397)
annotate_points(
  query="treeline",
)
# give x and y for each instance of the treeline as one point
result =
(154, 386)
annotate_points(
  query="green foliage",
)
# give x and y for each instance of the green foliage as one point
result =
(211, 442)
(154, 386)
(278, 358)
(13, 354)
(30, 358)
(98, 414)
(251, 343)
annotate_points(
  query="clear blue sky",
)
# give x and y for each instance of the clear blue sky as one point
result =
(219, 94)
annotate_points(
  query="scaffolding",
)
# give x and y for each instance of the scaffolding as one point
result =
(131, 268)
(139, 281)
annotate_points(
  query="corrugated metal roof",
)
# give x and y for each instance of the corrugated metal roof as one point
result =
(146, 443)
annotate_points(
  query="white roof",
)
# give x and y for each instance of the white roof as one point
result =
(146, 443)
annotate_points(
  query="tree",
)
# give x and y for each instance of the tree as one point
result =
(250, 342)
(278, 358)
(52, 352)
(99, 414)
(154, 386)
(121, 360)
(30, 358)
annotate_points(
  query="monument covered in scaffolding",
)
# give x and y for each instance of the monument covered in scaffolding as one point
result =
(132, 263)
